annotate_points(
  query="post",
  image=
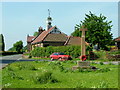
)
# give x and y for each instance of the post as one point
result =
(83, 48)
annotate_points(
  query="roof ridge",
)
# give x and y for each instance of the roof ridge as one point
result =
(67, 40)
(38, 35)
(48, 32)
(44, 33)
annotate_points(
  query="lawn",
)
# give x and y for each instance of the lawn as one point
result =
(56, 74)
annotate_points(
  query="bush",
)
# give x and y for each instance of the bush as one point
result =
(113, 55)
(3, 53)
(99, 55)
(74, 51)
(101, 63)
(45, 77)
(27, 66)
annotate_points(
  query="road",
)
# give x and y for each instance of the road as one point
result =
(9, 59)
(5, 60)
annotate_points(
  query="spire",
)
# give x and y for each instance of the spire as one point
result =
(48, 12)
(49, 20)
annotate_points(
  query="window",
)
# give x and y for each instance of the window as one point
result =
(55, 54)
(61, 54)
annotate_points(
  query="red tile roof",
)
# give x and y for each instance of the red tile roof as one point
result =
(56, 37)
(74, 41)
(30, 38)
(42, 36)
(117, 39)
(46, 36)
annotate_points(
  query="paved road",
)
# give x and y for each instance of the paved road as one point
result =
(5, 60)
(9, 59)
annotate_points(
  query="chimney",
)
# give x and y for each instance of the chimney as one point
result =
(40, 30)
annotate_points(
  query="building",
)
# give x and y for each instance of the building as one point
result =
(52, 36)
(117, 40)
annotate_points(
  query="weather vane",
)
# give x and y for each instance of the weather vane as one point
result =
(49, 12)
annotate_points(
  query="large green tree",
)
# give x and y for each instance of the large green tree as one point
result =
(98, 30)
(2, 43)
(18, 46)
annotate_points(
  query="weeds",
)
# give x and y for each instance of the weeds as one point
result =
(103, 85)
(45, 77)
(27, 66)
(101, 63)
(15, 76)
(103, 70)
(34, 74)
(79, 86)
(9, 68)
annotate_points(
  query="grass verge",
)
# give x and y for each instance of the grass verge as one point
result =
(56, 74)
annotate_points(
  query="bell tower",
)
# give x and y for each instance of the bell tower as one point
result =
(48, 21)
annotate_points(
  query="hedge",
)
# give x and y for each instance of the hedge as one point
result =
(73, 51)
(4, 53)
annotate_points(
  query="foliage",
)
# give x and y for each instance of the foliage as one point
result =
(56, 74)
(25, 48)
(2, 43)
(3, 53)
(73, 51)
(113, 55)
(35, 33)
(114, 52)
(18, 46)
(11, 49)
(98, 30)
(45, 77)
(105, 55)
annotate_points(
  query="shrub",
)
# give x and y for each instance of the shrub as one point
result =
(101, 63)
(26, 66)
(45, 77)
(73, 51)
(113, 55)
(7, 53)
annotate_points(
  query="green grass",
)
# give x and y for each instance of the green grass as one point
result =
(58, 74)
(41, 58)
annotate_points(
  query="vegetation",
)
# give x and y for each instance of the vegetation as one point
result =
(98, 30)
(56, 74)
(35, 34)
(17, 47)
(73, 51)
(4, 53)
(11, 49)
(2, 43)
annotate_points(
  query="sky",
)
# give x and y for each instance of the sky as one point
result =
(18, 19)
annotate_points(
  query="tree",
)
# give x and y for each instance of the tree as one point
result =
(2, 44)
(11, 49)
(98, 30)
(18, 46)
(35, 33)
(25, 48)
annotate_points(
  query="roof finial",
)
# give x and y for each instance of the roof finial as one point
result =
(49, 12)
